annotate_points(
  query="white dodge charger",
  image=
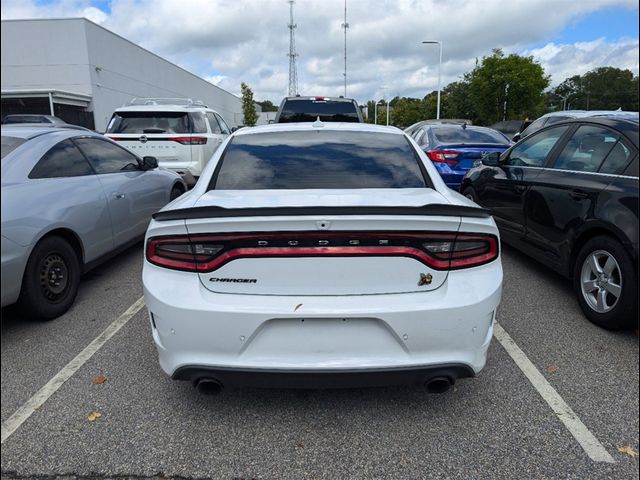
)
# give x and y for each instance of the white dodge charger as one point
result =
(321, 255)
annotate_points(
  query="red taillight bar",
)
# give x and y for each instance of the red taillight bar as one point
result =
(443, 156)
(189, 140)
(206, 253)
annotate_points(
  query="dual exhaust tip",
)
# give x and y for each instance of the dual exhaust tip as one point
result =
(211, 386)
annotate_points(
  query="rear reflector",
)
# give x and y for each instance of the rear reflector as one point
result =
(443, 156)
(438, 250)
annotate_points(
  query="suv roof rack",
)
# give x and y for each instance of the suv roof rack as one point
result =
(184, 102)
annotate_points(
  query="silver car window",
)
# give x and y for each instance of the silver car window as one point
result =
(105, 157)
(62, 160)
(215, 127)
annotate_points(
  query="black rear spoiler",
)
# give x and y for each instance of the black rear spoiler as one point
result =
(221, 212)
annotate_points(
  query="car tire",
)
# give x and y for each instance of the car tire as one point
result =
(605, 283)
(471, 194)
(175, 193)
(51, 279)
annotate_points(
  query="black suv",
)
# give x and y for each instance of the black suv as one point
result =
(309, 109)
(567, 195)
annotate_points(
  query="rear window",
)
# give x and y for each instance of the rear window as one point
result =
(458, 134)
(9, 144)
(310, 110)
(149, 122)
(9, 119)
(319, 159)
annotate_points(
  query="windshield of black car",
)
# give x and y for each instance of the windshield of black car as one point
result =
(9, 144)
(319, 160)
(310, 110)
(149, 122)
(457, 134)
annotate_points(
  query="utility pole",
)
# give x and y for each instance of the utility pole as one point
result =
(293, 69)
(345, 25)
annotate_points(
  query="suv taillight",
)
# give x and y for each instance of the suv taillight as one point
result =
(190, 140)
(206, 253)
(443, 156)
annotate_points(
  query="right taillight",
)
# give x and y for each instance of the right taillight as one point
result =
(462, 250)
(438, 250)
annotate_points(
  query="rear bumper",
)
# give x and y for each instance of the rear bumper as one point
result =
(196, 330)
(263, 378)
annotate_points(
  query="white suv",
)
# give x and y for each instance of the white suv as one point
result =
(182, 134)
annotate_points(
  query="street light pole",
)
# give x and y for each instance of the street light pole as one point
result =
(375, 112)
(439, 43)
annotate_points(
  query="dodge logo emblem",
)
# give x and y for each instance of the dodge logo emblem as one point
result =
(425, 279)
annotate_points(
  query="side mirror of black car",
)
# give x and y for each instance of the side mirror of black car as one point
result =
(491, 159)
(149, 163)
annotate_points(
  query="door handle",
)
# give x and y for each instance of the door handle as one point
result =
(118, 196)
(578, 194)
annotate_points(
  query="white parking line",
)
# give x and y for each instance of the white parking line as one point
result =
(42, 395)
(587, 440)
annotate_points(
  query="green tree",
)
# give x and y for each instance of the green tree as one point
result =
(456, 101)
(248, 106)
(518, 82)
(605, 88)
(407, 111)
(268, 106)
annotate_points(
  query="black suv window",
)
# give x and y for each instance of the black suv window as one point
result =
(617, 159)
(319, 159)
(62, 160)
(308, 110)
(106, 157)
(586, 149)
(533, 151)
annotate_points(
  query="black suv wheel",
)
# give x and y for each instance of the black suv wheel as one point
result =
(605, 283)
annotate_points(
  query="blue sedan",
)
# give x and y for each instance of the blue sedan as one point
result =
(70, 199)
(453, 149)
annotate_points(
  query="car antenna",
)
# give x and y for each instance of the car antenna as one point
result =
(318, 123)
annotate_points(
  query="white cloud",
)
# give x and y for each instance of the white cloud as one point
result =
(563, 61)
(228, 41)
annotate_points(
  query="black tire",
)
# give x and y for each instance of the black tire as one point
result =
(594, 290)
(51, 279)
(176, 191)
(471, 194)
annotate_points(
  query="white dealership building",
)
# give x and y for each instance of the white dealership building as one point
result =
(80, 71)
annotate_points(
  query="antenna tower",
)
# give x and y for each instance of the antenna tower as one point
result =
(345, 25)
(293, 69)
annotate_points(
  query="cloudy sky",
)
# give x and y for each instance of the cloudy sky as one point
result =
(229, 41)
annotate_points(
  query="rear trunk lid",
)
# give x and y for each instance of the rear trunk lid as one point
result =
(320, 242)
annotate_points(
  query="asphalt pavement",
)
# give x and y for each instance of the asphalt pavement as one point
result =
(494, 426)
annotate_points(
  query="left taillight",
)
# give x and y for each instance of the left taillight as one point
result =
(179, 253)
(450, 157)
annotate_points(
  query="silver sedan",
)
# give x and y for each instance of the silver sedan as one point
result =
(70, 199)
